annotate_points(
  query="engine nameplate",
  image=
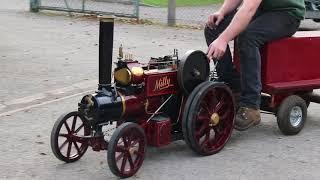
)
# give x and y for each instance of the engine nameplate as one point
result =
(161, 83)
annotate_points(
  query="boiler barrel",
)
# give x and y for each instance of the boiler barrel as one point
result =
(109, 108)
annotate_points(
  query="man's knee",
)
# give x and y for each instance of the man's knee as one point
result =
(210, 34)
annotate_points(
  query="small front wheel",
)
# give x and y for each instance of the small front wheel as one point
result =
(64, 142)
(292, 115)
(126, 150)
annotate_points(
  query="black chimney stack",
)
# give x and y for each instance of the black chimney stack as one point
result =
(105, 50)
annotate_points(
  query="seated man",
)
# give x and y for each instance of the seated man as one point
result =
(254, 23)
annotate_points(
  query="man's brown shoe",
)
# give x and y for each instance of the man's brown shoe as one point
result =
(247, 117)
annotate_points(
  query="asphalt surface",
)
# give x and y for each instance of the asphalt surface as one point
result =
(47, 60)
(260, 153)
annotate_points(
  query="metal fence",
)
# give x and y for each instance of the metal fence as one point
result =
(122, 8)
(195, 15)
(171, 12)
(192, 14)
(197, 12)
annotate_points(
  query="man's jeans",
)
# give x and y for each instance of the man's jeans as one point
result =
(264, 27)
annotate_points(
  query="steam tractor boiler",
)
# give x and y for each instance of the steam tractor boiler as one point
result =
(167, 99)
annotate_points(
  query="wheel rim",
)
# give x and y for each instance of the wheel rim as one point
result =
(296, 116)
(129, 152)
(213, 124)
(67, 143)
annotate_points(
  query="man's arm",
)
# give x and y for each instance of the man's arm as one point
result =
(229, 6)
(239, 22)
(241, 19)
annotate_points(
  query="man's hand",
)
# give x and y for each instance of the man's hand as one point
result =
(215, 19)
(217, 49)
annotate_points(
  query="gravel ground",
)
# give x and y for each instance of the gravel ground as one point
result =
(259, 153)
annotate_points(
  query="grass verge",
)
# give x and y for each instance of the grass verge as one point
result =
(164, 3)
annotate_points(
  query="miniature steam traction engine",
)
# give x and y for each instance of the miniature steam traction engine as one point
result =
(153, 104)
(171, 98)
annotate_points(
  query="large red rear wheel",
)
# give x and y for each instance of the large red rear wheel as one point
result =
(126, 150)
(64, 137)
(186, 111)
(209, 118)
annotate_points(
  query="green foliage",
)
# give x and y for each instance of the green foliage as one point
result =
(164, 3)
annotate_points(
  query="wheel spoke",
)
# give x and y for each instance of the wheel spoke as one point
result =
(125, 142)
(217, 130)
(74, 123)
(219, 105)
(139, 154)
(201, 132)
(214, 99)
(120, 148)
(67, 127)
(206, 106)
(225, 114)
(124, 162)
(135, 142)
(130, 161)
(79, 128)
(203, 118)
(226, 119)
(64, 144)
(211, 98)
(63, 135)
(119, 157)
(206, 140)
(129, 141)
(77, 147)
(218, 135)
(223, 96)
(69, 149)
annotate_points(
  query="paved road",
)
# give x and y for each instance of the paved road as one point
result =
(46, 60)
(260, 153)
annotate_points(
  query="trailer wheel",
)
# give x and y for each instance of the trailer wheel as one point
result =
(209, 118)
(126, 150)
(292, 115)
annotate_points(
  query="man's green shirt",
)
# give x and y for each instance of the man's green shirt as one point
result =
(293, 7)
